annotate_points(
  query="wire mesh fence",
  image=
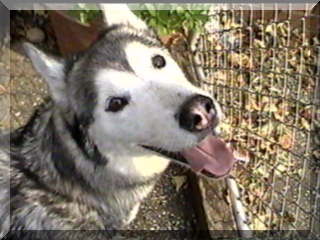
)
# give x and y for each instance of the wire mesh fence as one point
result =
(264, 67)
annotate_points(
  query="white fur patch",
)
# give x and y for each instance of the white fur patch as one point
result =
(170, 73)
(133, 213)
(150, 164)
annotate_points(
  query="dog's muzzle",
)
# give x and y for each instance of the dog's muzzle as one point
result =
(211, 156)
(197, 114)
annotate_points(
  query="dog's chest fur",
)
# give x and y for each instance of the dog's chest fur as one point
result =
(89, 196)
(40, 209)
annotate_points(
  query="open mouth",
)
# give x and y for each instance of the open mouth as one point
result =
(211, 157)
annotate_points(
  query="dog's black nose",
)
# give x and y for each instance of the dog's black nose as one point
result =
(197, 114)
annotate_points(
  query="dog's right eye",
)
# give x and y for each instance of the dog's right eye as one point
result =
(115, 104)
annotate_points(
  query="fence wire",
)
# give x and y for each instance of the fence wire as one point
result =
(264, 68)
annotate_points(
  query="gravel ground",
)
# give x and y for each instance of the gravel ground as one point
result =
(166, 208)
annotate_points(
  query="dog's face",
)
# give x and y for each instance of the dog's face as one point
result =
(141, 103)
(127, 90)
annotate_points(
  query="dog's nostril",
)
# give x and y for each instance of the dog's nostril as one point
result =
(196, 120)
(197, 113)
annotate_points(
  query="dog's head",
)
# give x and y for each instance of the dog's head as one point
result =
(127, 90)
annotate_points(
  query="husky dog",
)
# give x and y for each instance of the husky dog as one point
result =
(119, 112)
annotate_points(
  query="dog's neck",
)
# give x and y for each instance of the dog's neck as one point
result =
(70, 155)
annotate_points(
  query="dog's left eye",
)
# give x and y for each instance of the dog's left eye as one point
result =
(115, 104)
(158, 61)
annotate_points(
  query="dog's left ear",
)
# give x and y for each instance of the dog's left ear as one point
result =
(121, 14)
(51, 69)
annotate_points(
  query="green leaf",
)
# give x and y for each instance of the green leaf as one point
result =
(180, 10)
(150, 7)
(153, 13)
(163, 15)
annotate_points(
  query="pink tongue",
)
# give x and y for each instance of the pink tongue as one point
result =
(212, 155)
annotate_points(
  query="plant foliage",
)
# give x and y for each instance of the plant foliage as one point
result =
(176, 19)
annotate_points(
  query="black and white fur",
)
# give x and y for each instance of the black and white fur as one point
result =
(77, 165)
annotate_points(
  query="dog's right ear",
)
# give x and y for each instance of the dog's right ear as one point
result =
(51, 69)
